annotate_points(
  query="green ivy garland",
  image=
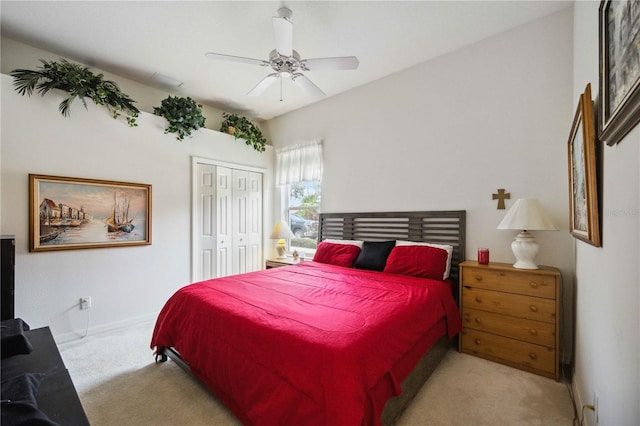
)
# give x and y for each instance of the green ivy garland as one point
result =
(183, 114)
(78, 82)
(241, 127)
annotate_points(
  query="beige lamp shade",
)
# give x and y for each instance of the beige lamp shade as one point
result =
(526, 214)
(281, 232)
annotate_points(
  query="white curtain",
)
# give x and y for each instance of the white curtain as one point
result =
(300, 163)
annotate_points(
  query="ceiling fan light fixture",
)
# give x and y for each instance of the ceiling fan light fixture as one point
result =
(286, 62)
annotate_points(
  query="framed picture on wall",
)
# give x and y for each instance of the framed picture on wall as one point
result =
(72, 213)
(619, 39)
(584, 220)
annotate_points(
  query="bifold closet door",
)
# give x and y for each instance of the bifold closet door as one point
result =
(228, 221)
(254, 205)
(205, 222)
(247, 221)
(224, 222)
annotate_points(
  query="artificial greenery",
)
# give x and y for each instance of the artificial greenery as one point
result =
(241, 127)
(78, 82)
(183, 114)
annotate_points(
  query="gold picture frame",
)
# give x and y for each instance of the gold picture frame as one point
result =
(68, 213)
(584, 220)
(619, 41)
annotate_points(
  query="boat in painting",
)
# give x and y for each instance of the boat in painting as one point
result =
(119, 220)
(49, 230)
(48, 234)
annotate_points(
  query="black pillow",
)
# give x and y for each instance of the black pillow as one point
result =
(373, 255)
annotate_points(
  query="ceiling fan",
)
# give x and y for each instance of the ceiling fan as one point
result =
(286, 62)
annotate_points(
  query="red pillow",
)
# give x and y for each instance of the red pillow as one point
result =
(336, 254)
(417, 261)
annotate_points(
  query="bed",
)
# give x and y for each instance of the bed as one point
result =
(323, 342)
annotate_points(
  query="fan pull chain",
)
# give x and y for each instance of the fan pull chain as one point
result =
(281, 100)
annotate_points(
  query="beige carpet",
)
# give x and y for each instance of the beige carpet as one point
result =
(119, 384)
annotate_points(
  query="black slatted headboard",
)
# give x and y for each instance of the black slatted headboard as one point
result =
(438, 227)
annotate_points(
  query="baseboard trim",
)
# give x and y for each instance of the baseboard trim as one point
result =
(104, 328)
(585, 417)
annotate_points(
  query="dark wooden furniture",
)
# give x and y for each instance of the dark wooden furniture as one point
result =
(57, 396)
(512, 316)
(8, 256)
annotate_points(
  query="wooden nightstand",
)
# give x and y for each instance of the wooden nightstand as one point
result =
(511, 316)
(276, 263)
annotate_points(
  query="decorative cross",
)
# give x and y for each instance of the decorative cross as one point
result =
(501, 196)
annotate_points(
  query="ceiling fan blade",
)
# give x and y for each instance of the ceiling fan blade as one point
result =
(308, 85)
(220, 56)
(340, 63)
(283, 30)
(263, 85)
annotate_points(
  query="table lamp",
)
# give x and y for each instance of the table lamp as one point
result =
(281, 232)
(526, 215)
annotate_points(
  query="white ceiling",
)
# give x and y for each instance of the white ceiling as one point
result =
(136, 39)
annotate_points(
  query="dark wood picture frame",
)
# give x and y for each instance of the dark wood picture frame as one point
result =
(68, 213)
(584, 218)
(619, 36)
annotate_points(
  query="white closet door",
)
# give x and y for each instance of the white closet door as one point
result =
(224, 223)
(205, 219)
(254, 213)
(240, 221)
(227, 217)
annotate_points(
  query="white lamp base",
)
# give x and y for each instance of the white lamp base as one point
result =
(525, 249)
(281, 248)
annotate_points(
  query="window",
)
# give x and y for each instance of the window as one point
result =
(299, 173)
(303, 214)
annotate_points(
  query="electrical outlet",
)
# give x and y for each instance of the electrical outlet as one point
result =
(595, 406)
(85, 302)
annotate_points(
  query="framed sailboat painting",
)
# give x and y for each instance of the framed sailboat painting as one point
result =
(71, 213)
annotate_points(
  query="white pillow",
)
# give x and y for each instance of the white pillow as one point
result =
(448, 248)
(352, 242)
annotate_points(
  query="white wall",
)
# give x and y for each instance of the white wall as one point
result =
(126, 284)
(19, 55)
(607, 340)
(448, 133)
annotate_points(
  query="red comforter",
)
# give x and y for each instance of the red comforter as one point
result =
(303, 344)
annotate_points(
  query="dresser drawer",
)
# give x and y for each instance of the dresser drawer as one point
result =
(533, 308)
(541, 333)
(516, 353)
(526, 283)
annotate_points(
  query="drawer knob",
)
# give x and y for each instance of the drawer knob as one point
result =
(533, 332)
(533, 284)
(478, 277)
(533, 308)
(478, 299)
(478, 320)
(477, 341)
(533, 356)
